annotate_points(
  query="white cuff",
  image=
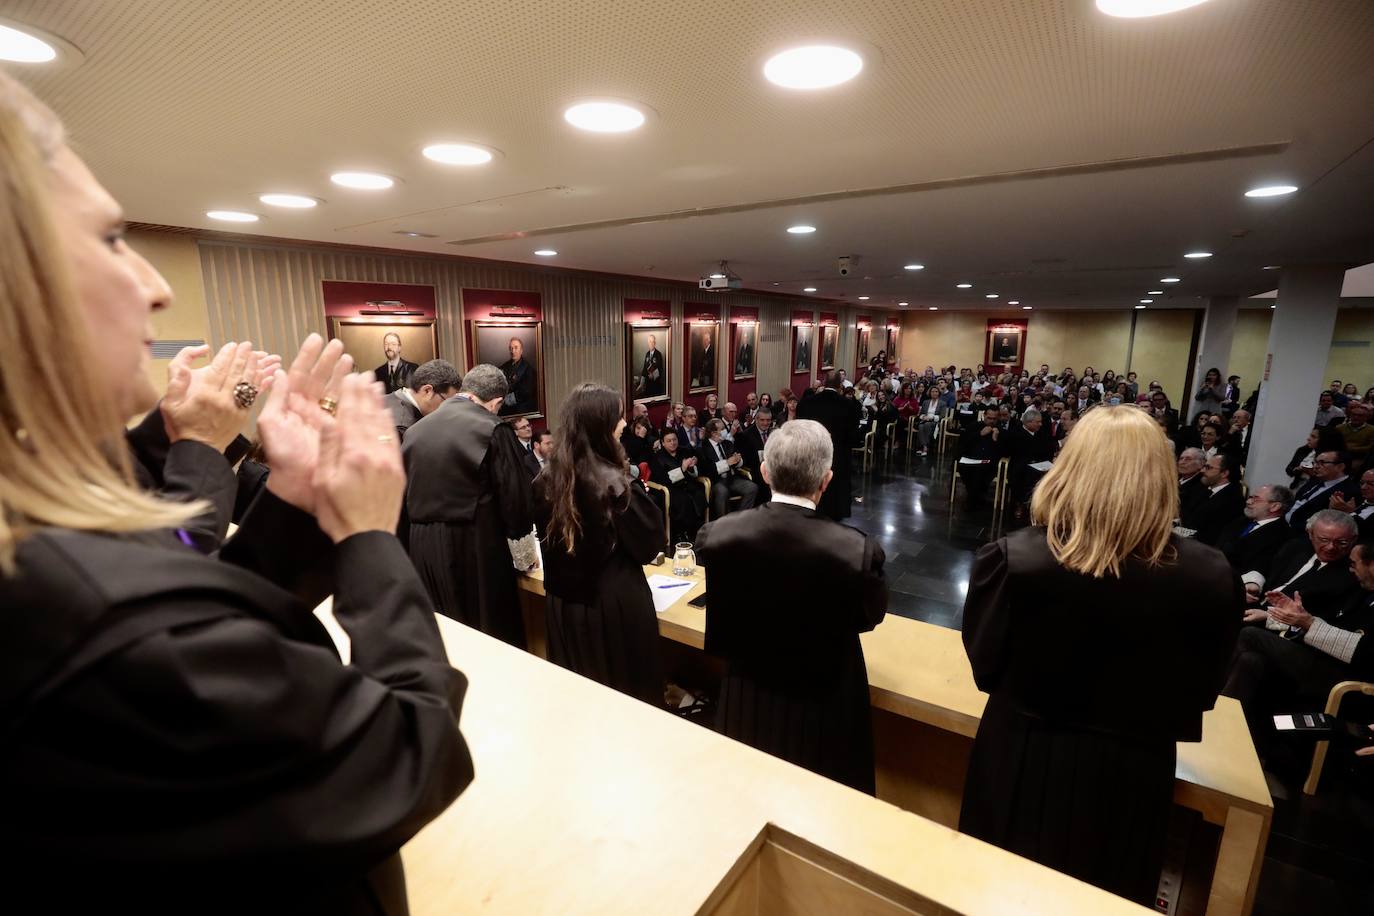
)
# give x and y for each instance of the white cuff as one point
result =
(1253, 577)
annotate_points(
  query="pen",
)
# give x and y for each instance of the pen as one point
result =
(675, 585)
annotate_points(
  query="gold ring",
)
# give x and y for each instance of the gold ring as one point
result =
(385, 438)
(328, 405)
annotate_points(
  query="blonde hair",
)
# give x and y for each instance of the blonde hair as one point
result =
(1112, 494)
(63, 462)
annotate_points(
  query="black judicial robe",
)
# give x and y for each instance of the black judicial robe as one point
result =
(467, 492)
(688, 496)
(180, 734)
(795, 682)
(840, 417)
(521, 379)
(1091, 682)
(601, 618)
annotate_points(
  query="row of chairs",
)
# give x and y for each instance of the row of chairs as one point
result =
(668, 500)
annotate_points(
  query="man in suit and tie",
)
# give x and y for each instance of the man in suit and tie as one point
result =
(1292, 665)
(750, 444)
(1159, 408)
(1250, 543)
(1313, 565)
(652, 371)
(1190, 488)
(524, 435)
(690, 433)
(1026, 443)
(720, 464)
(1238, 438)
(1363, 508)
(538, 455)
(1083, 401)
(1330, 479)
(704, 360)
(430, 385)
(1223, 504)
(396, 371)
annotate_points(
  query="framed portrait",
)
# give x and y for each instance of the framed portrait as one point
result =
(369, 340)
(516, 348)
(702, 347)
(830, 342)
(801, 348)
(861, 350)
(746, 349)
(1004, 346)
(647, 362)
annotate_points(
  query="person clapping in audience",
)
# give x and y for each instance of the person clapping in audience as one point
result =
(1053, 616)
(676, 469)
(598, 528)
(175, 718)
(720, 463)
(1219, 505)
(1252, 541)
(795, 683)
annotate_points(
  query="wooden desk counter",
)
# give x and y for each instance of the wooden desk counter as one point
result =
(921, 684)
(587, 801)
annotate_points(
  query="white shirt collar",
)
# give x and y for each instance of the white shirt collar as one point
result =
(794, 501)
(1219, 487)
(393, 363)
(1264, 521)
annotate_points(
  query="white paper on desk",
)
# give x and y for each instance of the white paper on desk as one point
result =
(722, 466)
(664, 597)
(1041, 466)
(675, 475)
(974, 461)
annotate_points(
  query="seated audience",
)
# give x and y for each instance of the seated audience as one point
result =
(689, 434)
(1159, 404)
(524, 434)
(538, 455)
(1357, 434)
(1291, 664)
(751, 444)
(1209, 439)
(175, 718)
(1328, 413)
(1191, 489)
(1331, 480)
(720, 464)
(639, 442)
(751, 404)
(1313, 564)
(1251, 542)
(1362, 509)
(1221, 504)
(795, 683)
(1303, 466)
(430, 385)
(979, 452)
(712, 409)
(1059, 606)
(676, 469)
(1238, 436)
(1026, 444)
(598, 528)
(733, 425)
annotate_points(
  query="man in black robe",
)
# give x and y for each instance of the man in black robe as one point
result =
(396, 371)
(840, 418)
(520, 382)
(651, 373)
(1026, 443)
(704, 361)
(795, 683)
(429, 386)
(467, 494)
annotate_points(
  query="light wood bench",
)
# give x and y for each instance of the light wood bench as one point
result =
(926, 713)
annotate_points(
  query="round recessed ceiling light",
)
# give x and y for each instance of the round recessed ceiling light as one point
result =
(1273, 190)
(605, 116)
(1013, 302)
(362, 181)
(458, 154)
(914, 267)
(809, 289)
(990, 296)
(813, 67)
(1138, 307)
(1025, 308)
(801, 230)
(1272, 267)
(903, 303)
(232, 216)
(1137, 9)
(545, 252)
(935, 308)
(1155, 292)
(24, 48)
(290, 201)
(963, 286)
(864, 298)
(1169, 280)
(1197, 255)
(1147, 301)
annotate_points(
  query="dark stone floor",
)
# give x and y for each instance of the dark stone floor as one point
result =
(1320, 857)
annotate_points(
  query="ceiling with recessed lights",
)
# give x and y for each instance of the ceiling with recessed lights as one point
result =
(1036, 149)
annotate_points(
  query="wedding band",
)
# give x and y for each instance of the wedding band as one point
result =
(245, 393)
(328, 405)
(385, 438)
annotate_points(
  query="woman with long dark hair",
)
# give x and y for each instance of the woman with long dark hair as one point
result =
(598, 527)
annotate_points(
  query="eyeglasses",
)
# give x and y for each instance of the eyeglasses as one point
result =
(1340, 543)
(1325, 461)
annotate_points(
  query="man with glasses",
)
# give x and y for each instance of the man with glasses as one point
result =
(1313, 566)
(1221, 503)
(428, 387)
(1363, 508)
(1330, 478)
(1251, 542)
(1292, 662)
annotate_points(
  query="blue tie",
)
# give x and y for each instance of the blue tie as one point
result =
(1248, 528)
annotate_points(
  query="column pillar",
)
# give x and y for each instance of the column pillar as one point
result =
(1214, 346)
(1299, 345)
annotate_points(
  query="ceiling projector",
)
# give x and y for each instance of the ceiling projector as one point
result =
(720, 284)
